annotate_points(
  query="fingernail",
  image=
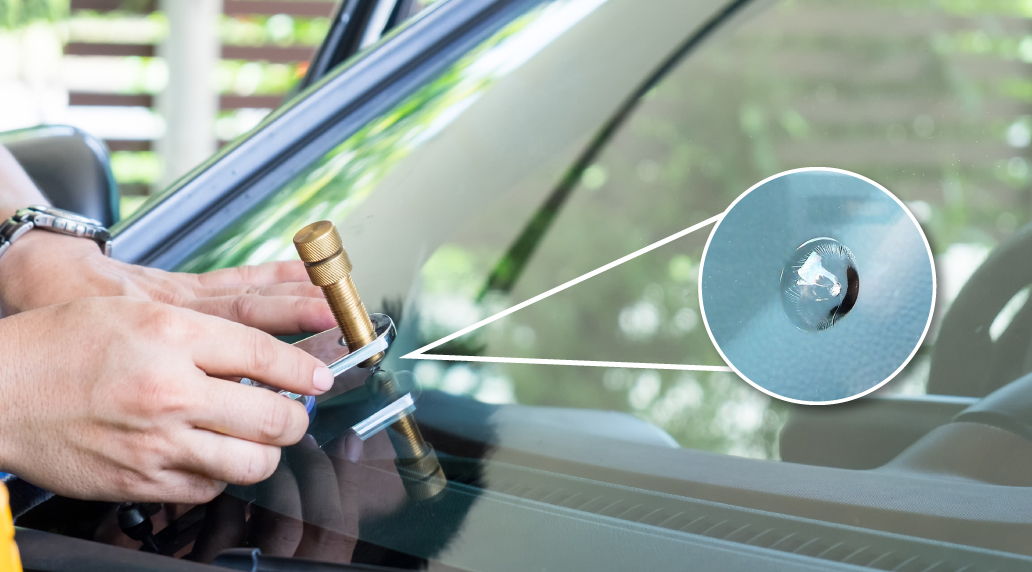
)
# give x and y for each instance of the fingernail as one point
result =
(353, 448)
(323, 379)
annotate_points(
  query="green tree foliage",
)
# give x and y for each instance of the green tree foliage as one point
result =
(929, 98)
(17, 13)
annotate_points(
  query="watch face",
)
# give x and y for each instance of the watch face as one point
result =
(68, 215)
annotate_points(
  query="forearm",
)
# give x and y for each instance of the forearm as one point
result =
(18, 191)
(16, 188)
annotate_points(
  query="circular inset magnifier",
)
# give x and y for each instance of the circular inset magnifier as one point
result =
(817, 286)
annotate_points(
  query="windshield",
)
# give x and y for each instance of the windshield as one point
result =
(477, 194)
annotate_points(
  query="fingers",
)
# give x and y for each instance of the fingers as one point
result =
(275, 525)
(174, 486)
(223, 528)
(260, 275)
(296, 512)
(227, 459)
(228, 349)
(325, 535)
(304, 289)
(353, 447)
(376, 475)
(320, 502)
(347, 452)
(250, 413)
(278, 315)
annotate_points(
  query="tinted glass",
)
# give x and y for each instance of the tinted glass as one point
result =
(450, 219)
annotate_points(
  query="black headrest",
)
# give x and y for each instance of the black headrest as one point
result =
(70, 166)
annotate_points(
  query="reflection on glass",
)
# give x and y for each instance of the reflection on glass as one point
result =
(739, 109)
(935, 114)
(334, 185)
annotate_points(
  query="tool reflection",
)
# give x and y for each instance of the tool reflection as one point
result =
(329, 267)
(383, 401)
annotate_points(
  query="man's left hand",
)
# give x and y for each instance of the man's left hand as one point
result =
(44, 268)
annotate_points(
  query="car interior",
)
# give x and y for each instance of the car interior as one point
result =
(496, 179)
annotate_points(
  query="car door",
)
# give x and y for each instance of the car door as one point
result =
(510, 147)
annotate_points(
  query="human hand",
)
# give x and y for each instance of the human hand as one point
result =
(45, 268)
(311, 506)
(121, 399)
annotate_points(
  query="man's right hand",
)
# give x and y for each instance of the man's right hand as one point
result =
(121, 399)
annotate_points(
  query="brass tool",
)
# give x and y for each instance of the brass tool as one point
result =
(416, 460)
(328, 266)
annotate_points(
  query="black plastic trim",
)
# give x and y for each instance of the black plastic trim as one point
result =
(47, 552)
(341, 41)
(71, 167)
(1008, 408)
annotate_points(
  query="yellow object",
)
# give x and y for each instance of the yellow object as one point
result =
(10, 561)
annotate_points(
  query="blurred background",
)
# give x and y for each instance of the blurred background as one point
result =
(163, 82)
(931, 98)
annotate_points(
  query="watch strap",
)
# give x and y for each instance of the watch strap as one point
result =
(54, 220)
(45, 220)
(11, 230)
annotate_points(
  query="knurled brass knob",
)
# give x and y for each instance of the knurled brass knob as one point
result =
(327, 263)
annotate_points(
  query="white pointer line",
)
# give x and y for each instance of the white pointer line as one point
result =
(582, 363)
(419, 354)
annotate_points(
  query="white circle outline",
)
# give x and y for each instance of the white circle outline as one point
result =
(920, 231)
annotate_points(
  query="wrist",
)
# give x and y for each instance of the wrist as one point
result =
(31, 266)
(12, 202)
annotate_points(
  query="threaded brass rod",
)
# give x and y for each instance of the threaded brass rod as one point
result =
(411, 444)
(416, 460)
(328, 266)
(327, 263)
(350, 313)
(407, 430)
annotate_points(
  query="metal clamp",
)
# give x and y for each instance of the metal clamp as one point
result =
(385, 334)
(380, 420)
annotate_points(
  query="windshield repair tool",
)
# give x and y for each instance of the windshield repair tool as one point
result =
(416, 460)
(329, 347)
(322, 251)
(328, 266)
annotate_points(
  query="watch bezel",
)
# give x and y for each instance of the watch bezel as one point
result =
(58, 212)
(55, 220)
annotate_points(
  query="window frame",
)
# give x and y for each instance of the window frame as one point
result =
(205, 201)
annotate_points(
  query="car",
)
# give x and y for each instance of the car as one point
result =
(487, 151)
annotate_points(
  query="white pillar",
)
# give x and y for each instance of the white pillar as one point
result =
(190, 102)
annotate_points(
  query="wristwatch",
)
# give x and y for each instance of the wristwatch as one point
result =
(55, 220)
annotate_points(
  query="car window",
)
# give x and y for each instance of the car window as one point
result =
(920, 100)
(366, 178)
(914, 112)
(467, 199)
